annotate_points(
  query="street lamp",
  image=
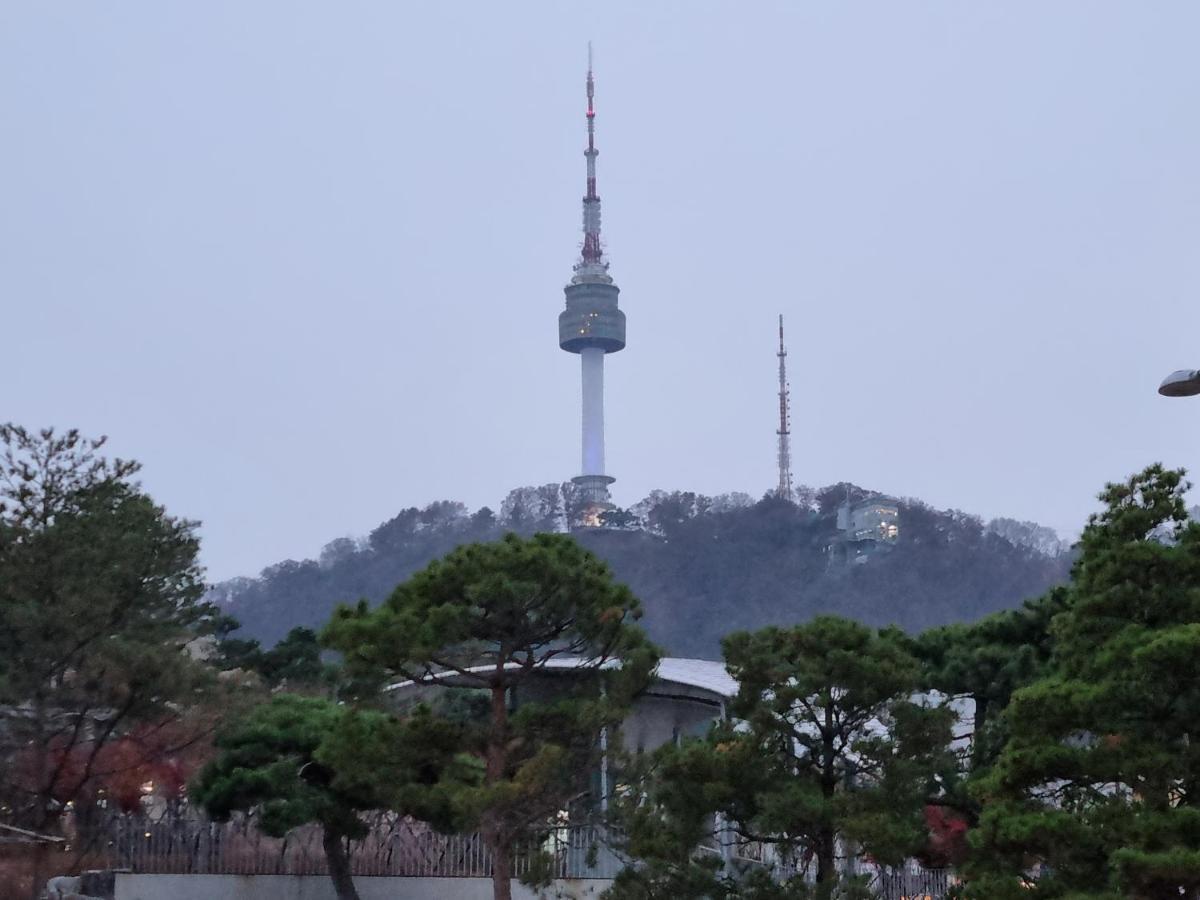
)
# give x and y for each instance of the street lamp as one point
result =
(1184, 383)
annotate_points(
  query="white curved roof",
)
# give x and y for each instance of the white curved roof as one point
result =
(703, 674)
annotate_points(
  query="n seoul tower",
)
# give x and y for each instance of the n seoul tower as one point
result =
(592, 326)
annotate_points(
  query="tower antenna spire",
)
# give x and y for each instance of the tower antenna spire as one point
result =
(591, 263)
(784, 489)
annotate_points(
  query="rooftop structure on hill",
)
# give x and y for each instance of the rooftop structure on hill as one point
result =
(865, 528)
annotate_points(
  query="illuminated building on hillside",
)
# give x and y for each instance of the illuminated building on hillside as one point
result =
(866, 527)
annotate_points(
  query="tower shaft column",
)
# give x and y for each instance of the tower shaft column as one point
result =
(592, 364)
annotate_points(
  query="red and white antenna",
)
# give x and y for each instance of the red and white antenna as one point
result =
(785, 454)
(592, 257)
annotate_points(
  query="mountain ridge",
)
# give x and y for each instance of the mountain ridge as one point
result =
(702, 566)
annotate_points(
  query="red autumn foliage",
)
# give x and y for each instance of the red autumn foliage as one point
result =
(149, 759)
(947, 837)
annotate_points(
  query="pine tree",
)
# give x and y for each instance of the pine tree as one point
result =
(1096, 792)
(299, 760)
(830, 748)
(100, 592)
(495, 616)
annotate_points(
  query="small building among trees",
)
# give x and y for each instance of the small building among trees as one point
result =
(865, 528)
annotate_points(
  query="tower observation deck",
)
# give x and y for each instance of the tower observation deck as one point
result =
(592, 326)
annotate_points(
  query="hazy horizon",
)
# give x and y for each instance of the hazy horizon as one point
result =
(305, 262)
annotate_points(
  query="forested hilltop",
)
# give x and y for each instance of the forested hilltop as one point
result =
(702, 566)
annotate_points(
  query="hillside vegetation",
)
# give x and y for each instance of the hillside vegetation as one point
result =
(702, 566)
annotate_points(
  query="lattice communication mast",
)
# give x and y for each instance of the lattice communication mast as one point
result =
(785, 452)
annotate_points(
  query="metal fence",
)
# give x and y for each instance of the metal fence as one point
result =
(393, 846)
(913, 884)
(396, 846)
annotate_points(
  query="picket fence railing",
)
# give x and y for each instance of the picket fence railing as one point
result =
(913, 884)
(396, 846)
(393, 846)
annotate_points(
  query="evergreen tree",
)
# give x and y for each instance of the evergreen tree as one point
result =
(294, 661)
(830, 708)
(984, 662)
(99, 595)
(300, 760)
(829, 748)
(1096, 792)
(494, 616)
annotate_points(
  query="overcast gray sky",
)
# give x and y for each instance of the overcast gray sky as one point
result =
(304, 259)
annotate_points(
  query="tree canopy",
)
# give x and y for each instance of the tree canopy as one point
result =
(100, 591)
(1095, 791)
(984, 662)
(298, 760)
(294, 662)
(830, 748)
(100, 594)
(494, 617)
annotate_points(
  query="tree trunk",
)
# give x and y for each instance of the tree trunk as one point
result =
(827, 836)
(499, 843)
(826, 856)
(39, 870)
(339, 865)
(37, 817)
(501, 870)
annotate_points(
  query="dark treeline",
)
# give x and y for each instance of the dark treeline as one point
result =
(702, 566)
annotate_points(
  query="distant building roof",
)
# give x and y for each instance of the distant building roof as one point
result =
(877, 500)
(703, 675)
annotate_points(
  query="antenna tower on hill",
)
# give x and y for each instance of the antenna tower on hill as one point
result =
(785, 453)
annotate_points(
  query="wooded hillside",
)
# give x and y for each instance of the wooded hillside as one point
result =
(702, 566)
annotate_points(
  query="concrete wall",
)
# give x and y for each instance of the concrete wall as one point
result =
(319, 887)
(655, 721)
